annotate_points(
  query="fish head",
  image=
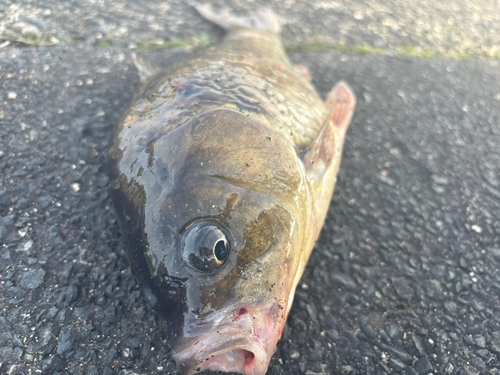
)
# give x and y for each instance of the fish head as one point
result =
(239, 271)
(227, 223)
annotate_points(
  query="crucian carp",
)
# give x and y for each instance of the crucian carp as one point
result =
(222, 172)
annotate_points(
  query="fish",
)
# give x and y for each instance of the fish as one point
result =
(222, 170)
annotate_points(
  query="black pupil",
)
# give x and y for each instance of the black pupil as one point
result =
(220, 250)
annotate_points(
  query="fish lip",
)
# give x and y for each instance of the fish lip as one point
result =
(250, 347)
(190, 364)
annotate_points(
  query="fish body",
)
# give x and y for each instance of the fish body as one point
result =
(223, 168)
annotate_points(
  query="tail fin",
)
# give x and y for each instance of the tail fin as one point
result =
(263, 19)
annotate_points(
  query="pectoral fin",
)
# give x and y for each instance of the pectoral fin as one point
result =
(322, 158)
(144, 67)
(342, 101)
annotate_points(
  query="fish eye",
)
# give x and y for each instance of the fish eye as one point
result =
(205, 247)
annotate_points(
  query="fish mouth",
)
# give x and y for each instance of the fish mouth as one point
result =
(242, 342)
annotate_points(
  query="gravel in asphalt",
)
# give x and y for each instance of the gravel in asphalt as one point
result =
(404, 278)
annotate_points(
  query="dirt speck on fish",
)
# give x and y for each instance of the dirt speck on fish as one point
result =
(223, 169)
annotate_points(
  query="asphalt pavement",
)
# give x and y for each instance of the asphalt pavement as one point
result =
(405, 278)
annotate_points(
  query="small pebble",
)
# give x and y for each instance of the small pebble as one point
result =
(32, 279)
(22, 203)
(45, 202)
(150, 297)
(7, 220)
(422, 366)
(495, 341)
(480, 341)
(65, 340)
(26, 246)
